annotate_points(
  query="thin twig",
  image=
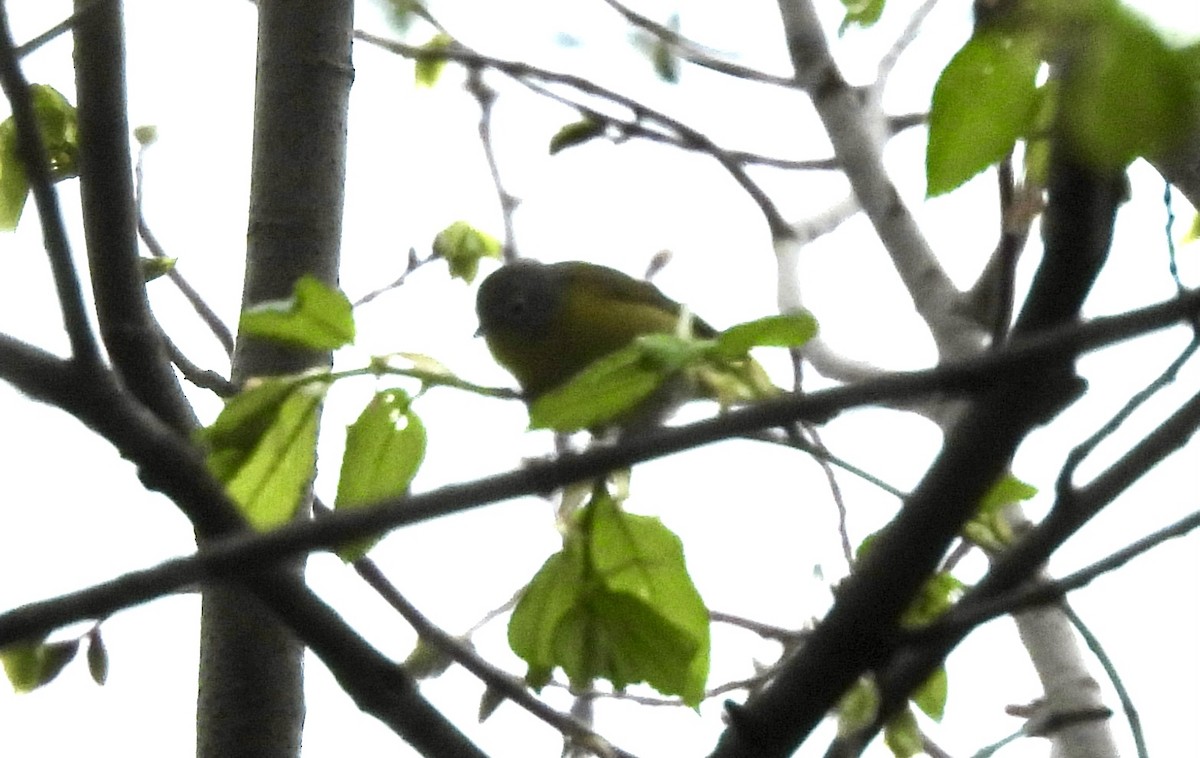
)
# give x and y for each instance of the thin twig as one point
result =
(1093, 643)
(486, 97)
(528, 76)
(697, 53)
(495, 678)
(210, 318)
(58, 29)
(888, 63)
(1085, 448)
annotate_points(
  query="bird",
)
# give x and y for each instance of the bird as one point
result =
(547, 322)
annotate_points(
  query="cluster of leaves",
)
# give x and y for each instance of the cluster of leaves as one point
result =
(719, 368)
(58, 123)
(859, 706)
(1116, 91)
(616, 603)
(35, 663)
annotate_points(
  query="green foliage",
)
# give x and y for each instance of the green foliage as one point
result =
(988, 528)
(575, 133)
(902, 735)
(316, 316)
(1129, 94)
(719, 368)
(429, 67)
(1193, 232)
(384, 449)
(1118, 91)
(616, 603)
(857, 708)
(58, 124)
(29, 665)
(790, 330)
(863, 13)
(664, 56)
(606, 389)
(937, 596)
(262, 446)
(155, 266)
(983, 101)
(427, 661)
(931, 696)
(463, 246)
(97, 656)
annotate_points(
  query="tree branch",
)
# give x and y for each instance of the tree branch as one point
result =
(32, 153)
(110, 222)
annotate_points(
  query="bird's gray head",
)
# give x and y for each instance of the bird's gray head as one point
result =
(519, 298)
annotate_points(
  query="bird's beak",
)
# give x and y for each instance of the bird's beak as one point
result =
(479, 331)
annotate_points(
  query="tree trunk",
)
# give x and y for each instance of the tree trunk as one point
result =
(251, 699)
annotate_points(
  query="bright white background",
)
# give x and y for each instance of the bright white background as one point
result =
(757, 522)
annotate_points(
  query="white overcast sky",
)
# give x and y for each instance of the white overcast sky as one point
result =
(756, 522)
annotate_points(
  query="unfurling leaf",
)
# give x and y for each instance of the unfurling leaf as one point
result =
(616, 604)
(463, 246)
(575, 134)
(316, 316)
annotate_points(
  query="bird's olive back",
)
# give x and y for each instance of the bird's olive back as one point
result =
(520, 298)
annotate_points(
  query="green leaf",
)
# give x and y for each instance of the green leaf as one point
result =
(903, 736)
(463, 246)
(59, 125)
(575, 134)
(153, 267)
(317, 316)
(1006, 491)
(616, 604)
(262, 447)
(1127, 93)
(988, 527)
(29, 665)
(427, 661)
(14, 185)
(598, 394)
(384, 449)
(1193, 232)
(937, 595)
(857, 708)
(864, 13)
(97, 657)
(931, 696)
(790, 330)
(60, 136)
(984, 99)
(664, 56)
(491, 699)
(429, 67)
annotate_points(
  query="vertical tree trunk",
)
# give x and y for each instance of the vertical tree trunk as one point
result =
(251, 700)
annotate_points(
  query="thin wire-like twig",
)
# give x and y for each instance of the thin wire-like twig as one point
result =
(697, 53)
(495, 678)
(529, 76)
(210, 318)
(1093, 643)
(58, 29)
(1081, 451)
(486, 97)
